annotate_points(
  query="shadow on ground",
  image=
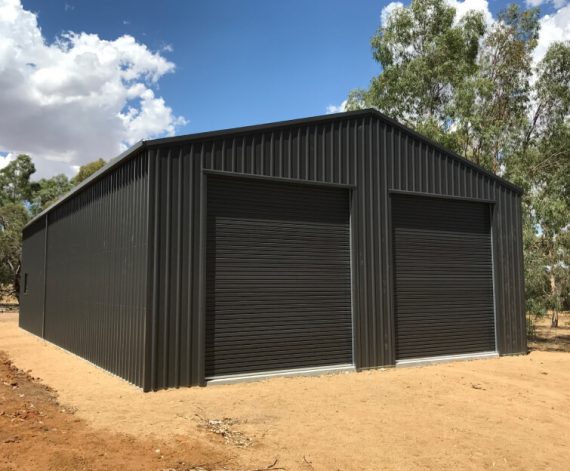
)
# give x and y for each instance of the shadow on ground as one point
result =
(548, 339)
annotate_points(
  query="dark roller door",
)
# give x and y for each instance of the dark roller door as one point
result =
(278, 277)
(443, 277)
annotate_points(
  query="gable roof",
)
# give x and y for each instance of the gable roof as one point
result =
(189, 138)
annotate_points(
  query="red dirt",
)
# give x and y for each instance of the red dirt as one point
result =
(38, 433)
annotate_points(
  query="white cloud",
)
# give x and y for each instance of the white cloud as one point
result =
(6, 159)
(337, 108)
(555, 3)
(462, 8)
(555, 27)
(77, 99)
(387, 11)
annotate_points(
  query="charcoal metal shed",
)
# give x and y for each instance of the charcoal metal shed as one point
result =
(333, 242)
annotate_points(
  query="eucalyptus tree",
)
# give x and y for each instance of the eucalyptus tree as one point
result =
(473, 87)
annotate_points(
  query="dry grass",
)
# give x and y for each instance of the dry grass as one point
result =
(8, 303)
(547, 339)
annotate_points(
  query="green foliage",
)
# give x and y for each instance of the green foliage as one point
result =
(13, 217)
(85, 171)
(48, 191)
(471, 88)
(20, 199)
(493, 113)
(544, 165)
(425, 56)
(15, 183)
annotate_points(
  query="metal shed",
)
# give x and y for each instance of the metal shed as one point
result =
(333, 242)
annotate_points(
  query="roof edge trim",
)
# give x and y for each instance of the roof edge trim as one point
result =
(463, 160)
(115, 162)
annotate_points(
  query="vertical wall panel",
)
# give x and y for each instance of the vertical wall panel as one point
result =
(32, 281)
(95, 302)
(175, 282)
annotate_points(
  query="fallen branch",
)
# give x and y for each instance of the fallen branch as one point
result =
(270, 467)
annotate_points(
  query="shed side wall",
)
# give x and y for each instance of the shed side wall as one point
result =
(32, 295)
(96, 271)
(368, 153)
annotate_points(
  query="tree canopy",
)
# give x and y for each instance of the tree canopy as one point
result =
(85, 171)
(473, 87)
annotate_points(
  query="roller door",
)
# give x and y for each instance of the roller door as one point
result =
(278, 277)
(443, 277)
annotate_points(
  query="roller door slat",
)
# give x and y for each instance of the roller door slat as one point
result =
(278, 277)
(443, 277)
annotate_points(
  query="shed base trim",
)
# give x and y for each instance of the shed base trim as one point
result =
(445, 359)
(240, 378)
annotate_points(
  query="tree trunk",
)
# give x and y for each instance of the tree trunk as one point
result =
(554, 322)
(16, 292)
(554, 293)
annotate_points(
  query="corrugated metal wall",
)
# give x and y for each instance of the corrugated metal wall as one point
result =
(133, 241)
(364, 151)
(176, 330)
(415, 166)
(97, 271)
(33, 266)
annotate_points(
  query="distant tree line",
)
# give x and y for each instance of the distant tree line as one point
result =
(22, 198)
(474, 88)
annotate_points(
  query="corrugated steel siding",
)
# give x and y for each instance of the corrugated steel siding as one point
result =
(368, 153)
(32, 301)
(96, 271)
(445, 175)
(152, 220)
(443, 277)
(175, 330)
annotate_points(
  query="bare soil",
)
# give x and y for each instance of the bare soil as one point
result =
(37, 432)
(547, 339)
(64, 413)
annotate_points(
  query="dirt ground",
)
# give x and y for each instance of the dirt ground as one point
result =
(506, 413)
(547, 339)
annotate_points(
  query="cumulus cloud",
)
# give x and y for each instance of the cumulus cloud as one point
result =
(337, 108)
(462, 8)
(555, 27)
(77, 99)
(387, 11)
(555, 3)
(5, 159)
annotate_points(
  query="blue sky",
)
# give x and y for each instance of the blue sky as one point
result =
(85, 79)
(240, 62)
